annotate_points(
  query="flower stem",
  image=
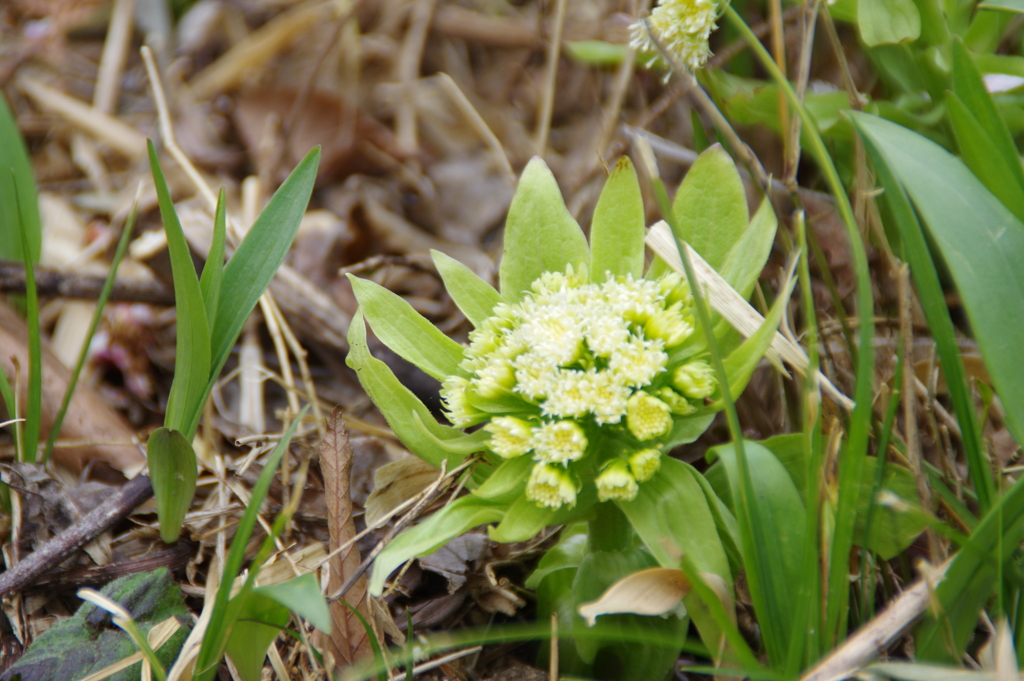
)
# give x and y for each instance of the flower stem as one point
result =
(610, 530)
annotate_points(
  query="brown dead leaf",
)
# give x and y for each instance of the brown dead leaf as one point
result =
(322, 118)
(396, 482)
(348, 642)
(89, 419)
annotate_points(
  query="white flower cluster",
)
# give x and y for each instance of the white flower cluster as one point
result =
(571, 359)
(683, 26)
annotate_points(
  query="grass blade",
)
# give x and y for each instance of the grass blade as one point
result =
(213, 270)
(34, 408)
(219, 627)
(257, 258)
(192, 361)
(17, 188)
(101, 302)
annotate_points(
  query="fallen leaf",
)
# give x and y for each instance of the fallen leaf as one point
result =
(89, 419)
(654, 591)
(396, 482)
(348, 642)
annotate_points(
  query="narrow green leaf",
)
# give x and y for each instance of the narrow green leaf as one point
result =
(404, 412)
(462, 514)
(972, 578)
(302, 596)
(888, 21)
(969, 86)
(172, 468)
(222, 620)
(257, 258)
(772, 537)
(710, 207)
(192, 357)
(97, 315)
(507, 481)
(34, 408)
(404, 330)
(258, 620)
(746, 259)
(972, 254)
(474, 296)
(462, 444)
(617, 230)
(540, 234)
(1016, 6)
(213, 270)
(17, 188)
(981, 155)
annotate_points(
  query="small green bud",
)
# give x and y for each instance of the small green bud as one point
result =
(670, 326)
(696, 380)
(678, 404)
(456, 404)
(644, 464)
(495, 379)
(551, 486)
(647, 417)
(616, 482)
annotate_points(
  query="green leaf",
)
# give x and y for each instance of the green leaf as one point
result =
(983, 259)
(258, 621)
(969, 87)
(617, 230)
(406, 331)
(17, 188)
(34, 407)
(172, 469)
(474, 296)
(893, 531)
(687, 429)
(888, 21)
(772, 539)
(710, 207)
(223, 618)
(404, 412)
(972, 578)
(596, 52)
(566, 554)
(213, 270)
(982, 156)
(83, 644)
(508, 481)
(462, 514)
(745, 261)
(302, 596)
(192, 357)
(462, 444)
(540, 234)
(258, 257)
(1003, 5)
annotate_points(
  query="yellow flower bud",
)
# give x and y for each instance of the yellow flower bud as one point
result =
(551, 486)
(510, 437)
(647, 417)
(696, 380)
(644, 464)
(616, 482)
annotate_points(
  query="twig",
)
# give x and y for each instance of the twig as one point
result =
(408, 71)
(876, 635)
(547, 100)
(52, 553)
(51, 282)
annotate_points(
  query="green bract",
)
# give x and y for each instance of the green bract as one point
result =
(582, 373)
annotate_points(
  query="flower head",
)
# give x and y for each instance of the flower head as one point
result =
(551, 486)
(559, 442)
(456, 403)
(682, 26)
(615, 481)
(696, 380)
(647, 417)
(510, 437)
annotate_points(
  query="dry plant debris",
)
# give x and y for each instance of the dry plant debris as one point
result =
(426, 110)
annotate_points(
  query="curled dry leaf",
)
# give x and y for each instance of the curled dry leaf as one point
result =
(395, 483)
(348, 643)
(654, 591)
(106, 436)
